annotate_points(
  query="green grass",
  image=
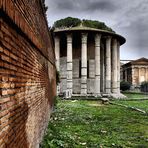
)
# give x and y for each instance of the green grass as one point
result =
(136, 95)
(138, 104)
(88, 124)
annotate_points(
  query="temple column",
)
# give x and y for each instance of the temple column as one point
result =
(57, 52)
(118, 72)
(108, 66)
(118, 67)
(84, 64)
(114, 67)
(102, 68)
(97, 64)
(69, 66)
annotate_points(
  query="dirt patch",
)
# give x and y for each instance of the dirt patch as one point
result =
(96, 104)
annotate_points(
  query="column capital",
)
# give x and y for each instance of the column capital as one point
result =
(56, 38)
(84, 34)
(108, 37)
(114, 45)
(118, 43)
(69, 37)
(84, 37)
(114, 41)
(108, 41)
(97, 39)
(98, 35)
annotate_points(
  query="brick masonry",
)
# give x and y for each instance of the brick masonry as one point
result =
(27, 73)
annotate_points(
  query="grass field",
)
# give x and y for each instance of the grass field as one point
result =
(89, 124)
(141, 104)
(136, 95)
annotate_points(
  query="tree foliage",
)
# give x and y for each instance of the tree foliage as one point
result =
(73, 22)
(67, 22)
(144, 86)
(125, 85)
(96, 24)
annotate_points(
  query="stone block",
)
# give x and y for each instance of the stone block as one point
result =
(76, 68)
(91, 68)
(76, 86)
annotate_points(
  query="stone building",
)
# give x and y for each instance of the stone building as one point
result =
(88, 60)
(136, 71)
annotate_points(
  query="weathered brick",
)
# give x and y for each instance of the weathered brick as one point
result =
(27, 81)
(6, 52)
(1, 49)
(5, 79)
(5, 85)
(5, 58)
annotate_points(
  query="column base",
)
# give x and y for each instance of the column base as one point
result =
(83, 95)
(106, 95)
(118, 96)
(97, 95)
(67, 94)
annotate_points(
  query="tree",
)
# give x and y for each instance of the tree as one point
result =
(144, 86)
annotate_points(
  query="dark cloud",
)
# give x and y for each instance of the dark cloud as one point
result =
(65, 5)
(128, 18)
(102, 5)
(134, 27)
(83, 5)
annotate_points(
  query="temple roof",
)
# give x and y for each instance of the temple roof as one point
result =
(141, 61)
(88, 29)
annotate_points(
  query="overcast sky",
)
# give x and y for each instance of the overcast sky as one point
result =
(128, 18)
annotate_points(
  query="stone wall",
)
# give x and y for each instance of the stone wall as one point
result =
(27, 73)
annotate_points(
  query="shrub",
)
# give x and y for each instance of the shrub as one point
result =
(96, 24)
(144, 86)
(67, 22)
(73, 22)
(125, 85)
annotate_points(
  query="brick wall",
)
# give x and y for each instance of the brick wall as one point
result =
(27, 73)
